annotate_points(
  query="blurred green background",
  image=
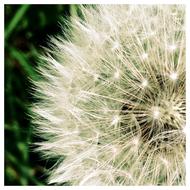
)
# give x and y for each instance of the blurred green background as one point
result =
(27, 28)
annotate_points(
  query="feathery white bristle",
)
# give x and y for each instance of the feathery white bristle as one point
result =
(112, 101)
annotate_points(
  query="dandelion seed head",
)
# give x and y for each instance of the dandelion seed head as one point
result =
(112, 98)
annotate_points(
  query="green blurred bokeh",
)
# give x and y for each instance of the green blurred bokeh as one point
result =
(27, 28)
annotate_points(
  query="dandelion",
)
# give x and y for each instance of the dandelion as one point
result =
(111, 104)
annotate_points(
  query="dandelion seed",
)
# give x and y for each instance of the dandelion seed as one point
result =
(136, 141)
(145, 83)
(172, 47)
(96, 77)
(115, 120)
(129, 176)
(115, 46)
(156, 112)
(165, 162)
(151, 33)
(184, 161)
(105, 110)
(117, 74)
(173, 76)
(185, 129)
(144, 56)
(115, 151)
(83, 97)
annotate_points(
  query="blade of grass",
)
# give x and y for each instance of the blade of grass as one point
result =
(26, 171)
(24, 62)
(15, 20)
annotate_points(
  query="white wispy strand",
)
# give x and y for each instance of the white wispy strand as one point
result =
(112, 99)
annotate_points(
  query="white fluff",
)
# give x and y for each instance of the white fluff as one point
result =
(112, 97)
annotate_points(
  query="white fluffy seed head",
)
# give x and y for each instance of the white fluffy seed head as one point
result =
(109, 110)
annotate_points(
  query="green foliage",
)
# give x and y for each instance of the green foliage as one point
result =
(26, 30)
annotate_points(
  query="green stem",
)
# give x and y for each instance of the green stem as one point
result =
(15, 20)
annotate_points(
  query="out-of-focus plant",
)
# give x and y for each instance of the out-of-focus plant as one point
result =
(26, 29)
